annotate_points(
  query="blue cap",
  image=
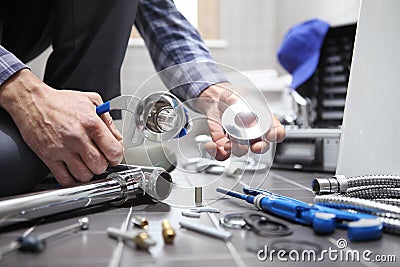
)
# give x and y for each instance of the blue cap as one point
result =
(300, 50)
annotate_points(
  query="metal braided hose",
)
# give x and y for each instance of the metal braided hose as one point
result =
(391, 225)
(364, 205)
(373, 192)
(388, 214)
(395, 202)
(341, 184)
(387, 180)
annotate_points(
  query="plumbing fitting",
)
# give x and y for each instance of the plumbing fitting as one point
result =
(141, 222)
(117, 188)
(168, 232)
(341, 184)
(142, 240)
(156, 117)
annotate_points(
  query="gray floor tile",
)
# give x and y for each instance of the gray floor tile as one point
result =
(94, 248)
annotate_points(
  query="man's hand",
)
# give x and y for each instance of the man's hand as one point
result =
(212, 102)
(62, 127)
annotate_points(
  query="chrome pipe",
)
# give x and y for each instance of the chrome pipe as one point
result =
(117, 188)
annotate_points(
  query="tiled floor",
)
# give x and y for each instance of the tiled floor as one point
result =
(94, 248)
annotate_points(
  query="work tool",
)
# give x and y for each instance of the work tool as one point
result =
(156, 117)
(207, 230)
(117, 188)
(387, 214)
(142, 239)
(32, 243)
(168, 232)
(324, 220)
(257, 222)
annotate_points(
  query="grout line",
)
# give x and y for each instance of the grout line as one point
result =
(117, 253)
(235, 254)
(290, 181)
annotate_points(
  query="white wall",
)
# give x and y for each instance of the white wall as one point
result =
(248, 29)
(252, 29)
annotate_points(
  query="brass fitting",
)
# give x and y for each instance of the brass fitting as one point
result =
(143, 241)
(140, 222)
(168, 232)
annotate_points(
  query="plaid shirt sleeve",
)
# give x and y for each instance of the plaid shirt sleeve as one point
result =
(9, 65)
(176, 49)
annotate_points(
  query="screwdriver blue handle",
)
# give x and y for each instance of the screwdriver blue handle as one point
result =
(31, 243)
(103, 108)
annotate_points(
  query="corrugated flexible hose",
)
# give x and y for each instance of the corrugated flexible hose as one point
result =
(374, 194)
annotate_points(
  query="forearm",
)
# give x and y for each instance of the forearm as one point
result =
(18, 93)
(15, 80)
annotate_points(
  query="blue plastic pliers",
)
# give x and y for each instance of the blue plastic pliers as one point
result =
(324, 220)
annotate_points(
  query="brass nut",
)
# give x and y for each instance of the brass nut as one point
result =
(168, 232)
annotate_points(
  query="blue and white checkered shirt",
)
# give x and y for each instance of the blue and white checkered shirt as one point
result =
(173, 43)
(9, 65)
